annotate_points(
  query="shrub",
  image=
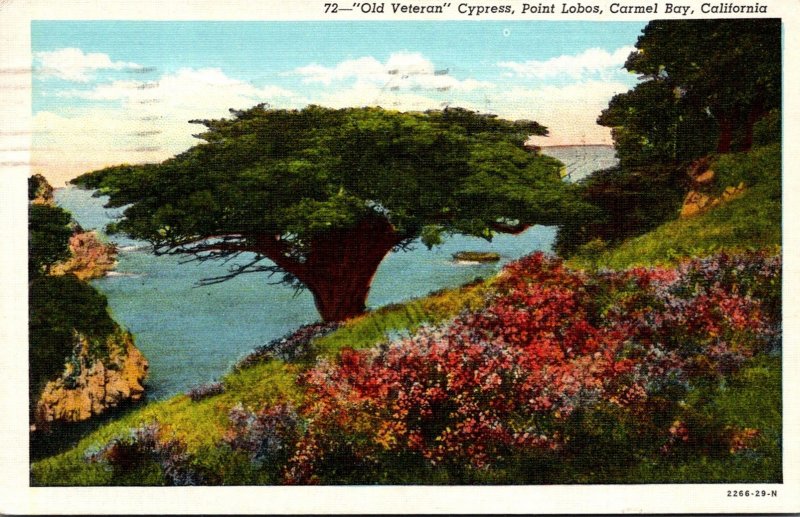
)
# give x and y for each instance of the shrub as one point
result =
(558, 361)
(204, 391)
(144, 449)
(292, 347)
(267, 437)
(620, 203)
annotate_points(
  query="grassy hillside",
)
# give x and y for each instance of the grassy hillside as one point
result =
(752, 221)
(201, 429)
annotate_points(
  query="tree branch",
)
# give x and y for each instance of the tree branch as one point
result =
(274, 248)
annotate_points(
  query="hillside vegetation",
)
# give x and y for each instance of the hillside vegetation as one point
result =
(585, 371)
(81, 363)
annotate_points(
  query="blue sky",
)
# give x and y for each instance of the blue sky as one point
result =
(111, 92)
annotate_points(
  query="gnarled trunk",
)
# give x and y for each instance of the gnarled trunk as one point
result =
(340, 265)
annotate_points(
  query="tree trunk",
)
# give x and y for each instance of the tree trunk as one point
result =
(341, 265)
(725, 135)
(754, 115)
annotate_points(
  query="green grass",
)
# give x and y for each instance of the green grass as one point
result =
(376, 326)
(752, 221)
(752, 398)
(202, 424)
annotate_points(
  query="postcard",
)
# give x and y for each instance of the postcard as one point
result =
(399, 257)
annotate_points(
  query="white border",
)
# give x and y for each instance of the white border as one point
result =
(18, 498)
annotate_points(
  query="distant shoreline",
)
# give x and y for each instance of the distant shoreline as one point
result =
(610, 146)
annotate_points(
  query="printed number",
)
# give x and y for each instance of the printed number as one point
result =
(754, 493)
(331, 8)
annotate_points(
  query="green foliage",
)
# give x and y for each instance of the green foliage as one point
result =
(297, 173)
(768, 130)
(698, 71)
(623, 202)
(651, 126)
(48, 237)
(60, 308)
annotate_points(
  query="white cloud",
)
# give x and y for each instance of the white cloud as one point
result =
(591, 61)
(365, 94)
(188, 87)
(569, 112)
(72, 64)
(401, 71)
(365, 67)
(149, 123)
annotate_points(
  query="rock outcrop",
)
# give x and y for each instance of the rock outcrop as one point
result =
(89, 386)
(39, 190)
(699, 200)
(91, 258)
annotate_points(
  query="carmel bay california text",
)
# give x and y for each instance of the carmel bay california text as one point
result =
(473, 10)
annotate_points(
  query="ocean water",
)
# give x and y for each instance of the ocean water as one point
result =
(582, 160)
(193, 335)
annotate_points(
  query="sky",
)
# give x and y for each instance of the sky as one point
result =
(110, 92)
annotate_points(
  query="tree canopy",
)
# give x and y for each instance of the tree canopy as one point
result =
(705, 84)
(324, 194)
(49, 231)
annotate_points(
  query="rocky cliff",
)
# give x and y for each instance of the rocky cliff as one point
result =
(89, 385)
(90, 258)
(39, 190)
(81, 362)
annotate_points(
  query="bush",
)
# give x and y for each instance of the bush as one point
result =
(622, 203)
(768, 130)
(205, 391)
(147, 457)
(267, 437)
(559, 362)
